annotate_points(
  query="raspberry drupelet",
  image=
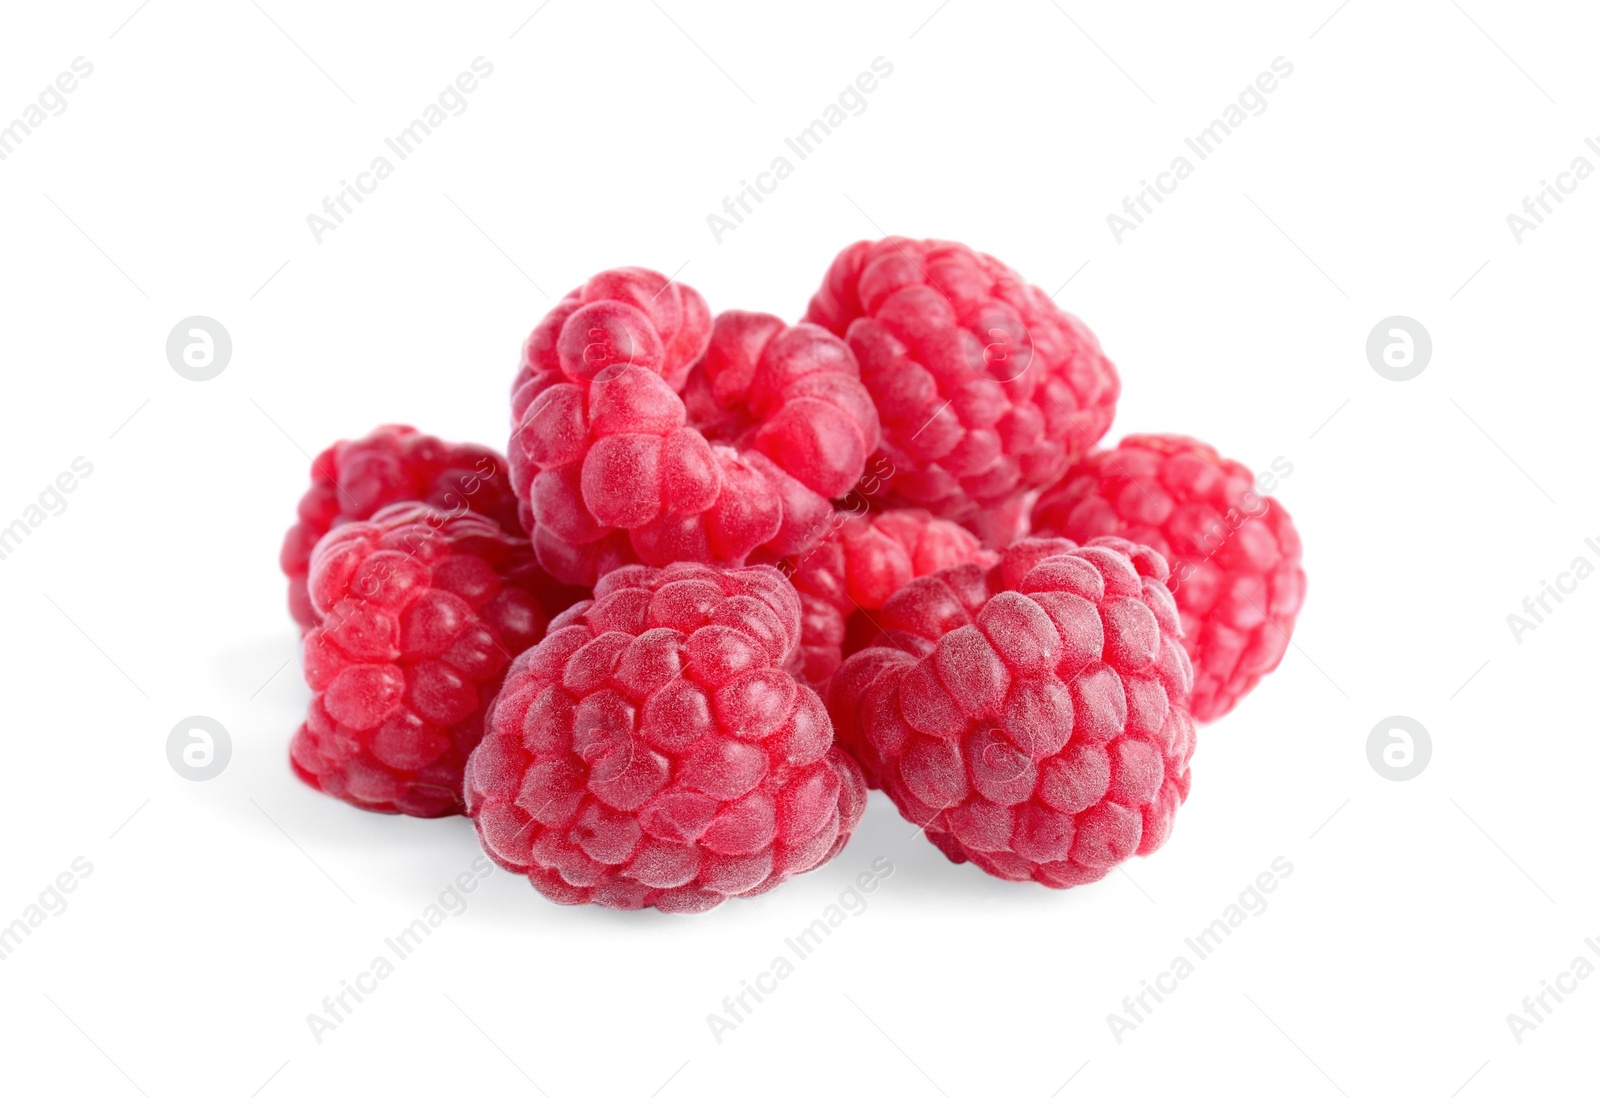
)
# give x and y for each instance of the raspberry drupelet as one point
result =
(985, 388)
(626, 454)
(352, 479)
(637, 334)
(1233, 551)
(854, 570)
(1033, 720)
(652, 751)
(419, 613)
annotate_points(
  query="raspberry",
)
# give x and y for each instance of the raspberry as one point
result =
(1000, 526)
(1033, 720)
(986, 389)
(652, 752)
(854, 570)
(622, 318)
(350, 481)
(1234, 553)
(419, 613)
(618, 467)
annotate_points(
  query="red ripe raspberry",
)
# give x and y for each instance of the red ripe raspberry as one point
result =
(618, 467)
(652, 752)
(629, 325)
(1234, 553)
(419, 614)
(1035, 720)
(350, 481)
(857, 567)
(986, 389)
(1004, 524)
(790, 401)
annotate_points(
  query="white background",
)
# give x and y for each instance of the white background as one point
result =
(219, 914)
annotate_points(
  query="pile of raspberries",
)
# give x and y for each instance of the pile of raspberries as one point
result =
(732, 573)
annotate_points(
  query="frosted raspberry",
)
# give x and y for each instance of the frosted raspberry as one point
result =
(1002, 525)
(1234, 553)
(1035, 719)
(644, 326)
(854, 570)
(652, 752)
(985, 388)
(617, 467)
(351, 480)
(419, 613)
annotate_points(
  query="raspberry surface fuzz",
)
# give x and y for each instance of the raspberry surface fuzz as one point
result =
(619, 464)
(1033, 719)
(351, 480)
(1233, 551)
(419, 612)
(652, 751)
(986, 389)
(855, 569)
